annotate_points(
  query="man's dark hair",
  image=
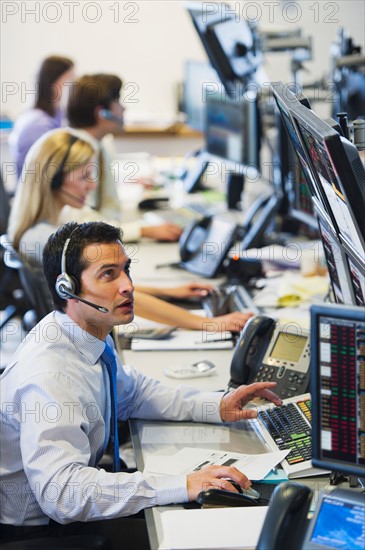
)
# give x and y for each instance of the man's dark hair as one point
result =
(76, 262)
(51, 70)
(89, 92)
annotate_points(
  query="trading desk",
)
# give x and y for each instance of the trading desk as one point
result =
(168, 437)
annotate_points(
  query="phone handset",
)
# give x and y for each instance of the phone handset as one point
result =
(260, 214)
(250, 349)
(193, 237)
(286, 520)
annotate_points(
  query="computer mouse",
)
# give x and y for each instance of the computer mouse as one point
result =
(155, 203)
(250, 492)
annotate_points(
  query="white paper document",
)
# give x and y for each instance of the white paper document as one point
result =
(186, 340)
(220, 528)
(185, 435)
(190, 459)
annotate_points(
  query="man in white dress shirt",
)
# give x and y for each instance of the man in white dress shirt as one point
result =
(55, 410)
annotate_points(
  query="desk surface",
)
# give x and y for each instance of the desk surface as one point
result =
(168, 437)
(150, 437)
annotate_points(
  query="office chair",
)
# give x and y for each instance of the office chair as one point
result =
(38, 301)
(13, 302)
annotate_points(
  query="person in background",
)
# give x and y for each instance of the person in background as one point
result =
(61, 369)
(94, 111)
(47, 113)
(59, 172)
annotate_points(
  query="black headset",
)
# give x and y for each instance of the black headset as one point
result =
(67, 286)
(56, 182)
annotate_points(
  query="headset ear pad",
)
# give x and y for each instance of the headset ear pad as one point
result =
(70, 284)
(56, 182)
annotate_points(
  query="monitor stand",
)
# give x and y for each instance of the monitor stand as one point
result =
(235, 185)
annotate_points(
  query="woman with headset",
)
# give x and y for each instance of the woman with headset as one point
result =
(59, 171)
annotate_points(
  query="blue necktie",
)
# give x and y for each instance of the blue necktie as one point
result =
(109, 360)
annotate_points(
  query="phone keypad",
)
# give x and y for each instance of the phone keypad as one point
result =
(290, 382)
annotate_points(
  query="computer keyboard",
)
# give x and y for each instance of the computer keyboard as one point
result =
(227, 299)
(290, 428)
(242, 300)
(182, 215)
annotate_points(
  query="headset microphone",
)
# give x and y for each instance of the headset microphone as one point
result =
(107, 114)
(67, 286)
(77, 199)
(67, 294)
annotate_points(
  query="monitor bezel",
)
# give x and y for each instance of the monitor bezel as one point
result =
(341, 312)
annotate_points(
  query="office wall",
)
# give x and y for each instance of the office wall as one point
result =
(146, 42)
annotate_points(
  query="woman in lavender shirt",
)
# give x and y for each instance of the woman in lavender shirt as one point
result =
(55, 72)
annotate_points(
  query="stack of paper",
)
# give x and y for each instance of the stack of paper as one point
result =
(186, 340)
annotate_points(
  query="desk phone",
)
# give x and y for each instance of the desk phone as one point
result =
(268, 351)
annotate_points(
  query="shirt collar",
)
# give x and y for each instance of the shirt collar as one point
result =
(87, 344)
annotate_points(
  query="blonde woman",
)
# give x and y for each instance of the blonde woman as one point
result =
(60, 170)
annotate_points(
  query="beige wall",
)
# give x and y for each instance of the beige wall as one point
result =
(146, 42)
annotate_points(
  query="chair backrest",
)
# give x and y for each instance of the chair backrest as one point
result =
(31, 277)
(4, 206)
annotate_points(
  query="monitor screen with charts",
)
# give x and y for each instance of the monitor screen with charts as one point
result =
(334, 170)
(200, 80)
(337, 265)
(339, 173)
(338, 388)
(232, 131)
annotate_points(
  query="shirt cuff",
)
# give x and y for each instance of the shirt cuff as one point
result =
(169, 489)
(207, 407)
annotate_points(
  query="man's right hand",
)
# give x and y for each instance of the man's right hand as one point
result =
(215, 477)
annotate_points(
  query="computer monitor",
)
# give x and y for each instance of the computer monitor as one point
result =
(229, 43)
(200, 80)
(301, 205)
(284, 99)
(337, 265)
(291, 181)
(357, 277)
(232, 141)
(338, 388)
(338, 521)
(232, 130)
(337, 171)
